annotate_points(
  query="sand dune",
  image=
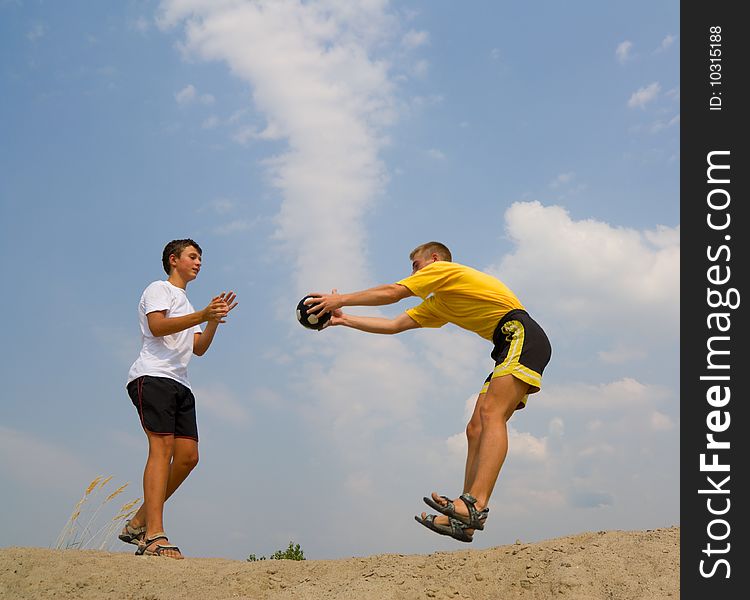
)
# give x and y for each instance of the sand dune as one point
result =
(611, 565)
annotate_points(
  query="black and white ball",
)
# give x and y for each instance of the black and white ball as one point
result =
(310, 321)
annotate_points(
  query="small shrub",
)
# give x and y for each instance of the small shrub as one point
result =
(293, 552)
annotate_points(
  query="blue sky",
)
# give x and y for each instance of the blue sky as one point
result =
(311, 145)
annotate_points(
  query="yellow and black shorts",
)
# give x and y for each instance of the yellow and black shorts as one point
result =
(522, 349)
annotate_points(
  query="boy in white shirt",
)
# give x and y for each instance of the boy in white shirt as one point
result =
(159, 388)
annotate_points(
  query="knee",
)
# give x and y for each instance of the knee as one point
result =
(161, 447)
(188, 461)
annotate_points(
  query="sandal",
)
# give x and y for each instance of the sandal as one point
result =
(456, 530)
(144, 551)
(132, 535)
(476, 518)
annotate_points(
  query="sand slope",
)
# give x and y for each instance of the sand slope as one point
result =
(611, 565)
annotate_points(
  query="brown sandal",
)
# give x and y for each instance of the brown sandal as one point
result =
(132, 535)
(143, 547)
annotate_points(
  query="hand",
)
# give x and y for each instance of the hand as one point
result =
(337, 318)
(229, 299)
(219, 307)
(323, 303)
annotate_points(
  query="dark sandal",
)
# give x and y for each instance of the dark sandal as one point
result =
(456, 530)
(132, 535)
(476, 518)
(144, 551)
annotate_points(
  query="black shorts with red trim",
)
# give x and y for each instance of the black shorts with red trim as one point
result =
(165, 406)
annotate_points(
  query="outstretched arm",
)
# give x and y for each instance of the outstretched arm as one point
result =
(374, 324)
(376, 296)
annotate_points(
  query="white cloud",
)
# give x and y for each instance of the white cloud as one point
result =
(623, 51)
(245, 135)
(660, 125)
(661, 422)
(557, 427)
(625, 281)
(186, 94)
(667, 42)
(459, 356)
(606, 397)
(457, 446)
(414, 39)
(435, 154)
(313, 76)
(526, 447)
(189, 94)
(562, 179)
(644, 95)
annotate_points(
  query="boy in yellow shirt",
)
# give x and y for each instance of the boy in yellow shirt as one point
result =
(478, 302)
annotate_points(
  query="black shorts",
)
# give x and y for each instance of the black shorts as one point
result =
(165, 406)
(522, 349)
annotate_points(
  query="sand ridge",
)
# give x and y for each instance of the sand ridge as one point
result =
(611, 565)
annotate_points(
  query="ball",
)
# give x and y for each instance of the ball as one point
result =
(309, 320)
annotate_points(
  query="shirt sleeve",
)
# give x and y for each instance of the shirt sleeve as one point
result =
(427, 280)
(156, 298)
(425, 315)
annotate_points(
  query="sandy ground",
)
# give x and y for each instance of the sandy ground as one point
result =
(611, 565)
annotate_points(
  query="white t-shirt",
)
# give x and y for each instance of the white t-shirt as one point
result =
(168, 355)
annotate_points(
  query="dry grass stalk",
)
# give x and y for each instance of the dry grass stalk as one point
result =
(117, 492)
(68, 531)
(74, 537)
(111, 528)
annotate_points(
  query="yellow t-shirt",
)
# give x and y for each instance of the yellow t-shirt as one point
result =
(458, 294)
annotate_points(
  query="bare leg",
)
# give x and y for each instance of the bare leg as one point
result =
(473, 435)
(497, 407)
(170, 461)
(487, 433)
(183, 462)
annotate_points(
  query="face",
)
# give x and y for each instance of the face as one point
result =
(187, 264)
(422, 260)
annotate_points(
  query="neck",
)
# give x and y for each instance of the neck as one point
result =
(176, 280)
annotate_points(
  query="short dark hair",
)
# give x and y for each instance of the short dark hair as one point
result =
(176, 247)
(437, 247)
